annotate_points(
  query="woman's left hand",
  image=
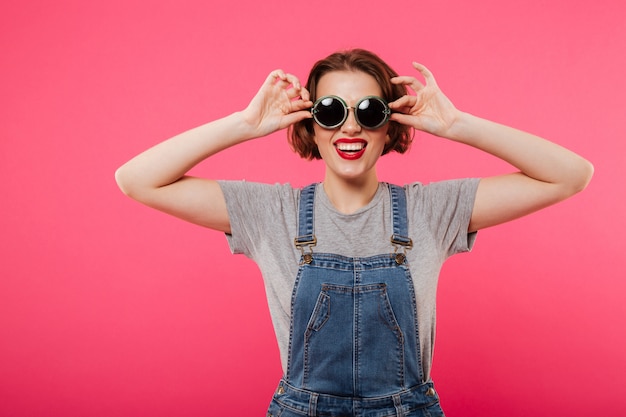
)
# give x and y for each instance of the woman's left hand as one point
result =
(548, 173)
(429, 109)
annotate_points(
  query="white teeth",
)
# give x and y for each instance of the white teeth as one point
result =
(350, 147)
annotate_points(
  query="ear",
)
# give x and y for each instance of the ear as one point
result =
(313, 133)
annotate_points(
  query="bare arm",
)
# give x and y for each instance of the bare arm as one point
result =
(548, 173)
(157, 177)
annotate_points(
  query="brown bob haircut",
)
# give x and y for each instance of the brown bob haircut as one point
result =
(301, 134)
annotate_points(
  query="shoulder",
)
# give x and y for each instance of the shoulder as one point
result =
(441, 202)
(443, 190)
(256, 191)
(259, 200)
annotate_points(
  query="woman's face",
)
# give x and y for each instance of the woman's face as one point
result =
(350, 151)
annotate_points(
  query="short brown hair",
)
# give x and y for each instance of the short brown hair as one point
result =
(301, 134)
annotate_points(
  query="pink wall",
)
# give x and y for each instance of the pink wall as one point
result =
(110, 309)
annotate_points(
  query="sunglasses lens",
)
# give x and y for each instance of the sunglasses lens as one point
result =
(329, 112)
(372, 112)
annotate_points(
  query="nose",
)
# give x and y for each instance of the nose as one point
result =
(350, 126)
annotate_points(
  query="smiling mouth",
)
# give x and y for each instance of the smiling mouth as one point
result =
(350, 148)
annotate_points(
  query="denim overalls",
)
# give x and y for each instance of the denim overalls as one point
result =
(354, 346)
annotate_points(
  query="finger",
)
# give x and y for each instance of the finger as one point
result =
(404, 101)
(283, 79)
(294, 117)
(292, 93)
(411, 82)
(426, 73)
(293, 80)
(305, 95)
(403, 119)
(299, 105)
(301, 93)
(280, 83)
(275, 75)
(278, 78)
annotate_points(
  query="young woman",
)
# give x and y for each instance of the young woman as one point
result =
(351, 264)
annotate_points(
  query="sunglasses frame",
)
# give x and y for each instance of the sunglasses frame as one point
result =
(346, 110)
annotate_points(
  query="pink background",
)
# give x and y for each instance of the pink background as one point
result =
(110, 309)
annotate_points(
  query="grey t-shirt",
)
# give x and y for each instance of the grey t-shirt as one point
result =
(263, 220)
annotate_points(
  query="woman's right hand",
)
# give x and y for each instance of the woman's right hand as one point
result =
(158, 176)
(280, 102)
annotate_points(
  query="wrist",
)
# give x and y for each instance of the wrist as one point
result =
(460, 130)
(242, 127)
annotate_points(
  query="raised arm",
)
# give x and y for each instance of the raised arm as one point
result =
(157, 177)
(548, 173)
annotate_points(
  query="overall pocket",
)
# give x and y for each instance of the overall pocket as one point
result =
(353, 344)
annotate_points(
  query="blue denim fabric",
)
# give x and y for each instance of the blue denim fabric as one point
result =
(354, 341)
(419, 401)
(354, 331)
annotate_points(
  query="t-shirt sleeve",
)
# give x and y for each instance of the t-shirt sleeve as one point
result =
(446, 207)
(255, 211)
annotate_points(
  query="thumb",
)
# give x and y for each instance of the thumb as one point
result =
(405, 119)
(291, 118)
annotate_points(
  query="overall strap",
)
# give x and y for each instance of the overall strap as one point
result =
(399, 217)
(306, 237)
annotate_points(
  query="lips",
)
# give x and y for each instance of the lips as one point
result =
(350, 148)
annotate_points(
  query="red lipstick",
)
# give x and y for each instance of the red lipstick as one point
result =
(350, 149)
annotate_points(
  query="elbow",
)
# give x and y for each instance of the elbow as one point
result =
(123, 180)
(586, 171)
(132, 183)
(580, 176)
